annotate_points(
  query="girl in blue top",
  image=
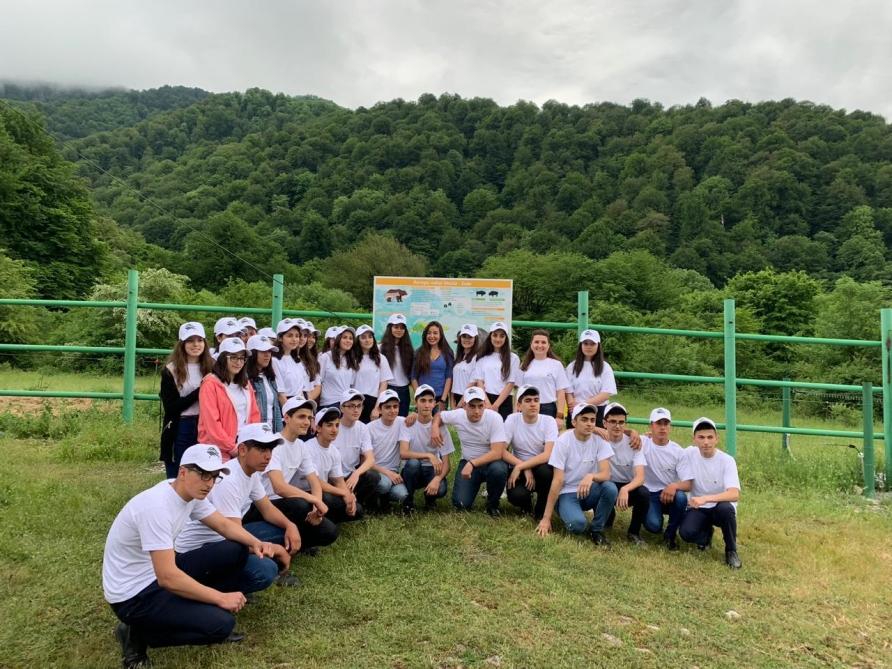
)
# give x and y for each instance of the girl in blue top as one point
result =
(433, 363)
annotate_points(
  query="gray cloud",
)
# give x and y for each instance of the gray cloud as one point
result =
(357, 52)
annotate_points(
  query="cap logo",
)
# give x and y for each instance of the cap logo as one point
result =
(266, 428)
(188, 327)
(212, 453)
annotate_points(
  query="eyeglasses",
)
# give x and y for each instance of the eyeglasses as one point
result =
(238, 358)
(615, 423)
(203, 475)
(352, 405)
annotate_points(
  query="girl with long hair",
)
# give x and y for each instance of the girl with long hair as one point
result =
(337, 368)
(590, 375)
(466, 346)
(543, 370)
(496, 369)
(226, 399)
(396, 345)
(373, 372)
(262, 377)
(293, 379)
(433, 363)
(181, 377)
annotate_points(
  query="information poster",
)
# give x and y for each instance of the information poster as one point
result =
(451, 302)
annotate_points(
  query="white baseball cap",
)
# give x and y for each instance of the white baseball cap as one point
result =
(204, 456)
(468, 329)
(590, 335)
(322, 413)
(261, 342)
(331, 332)
(231, 345)
(227, 326)
(396, 319)
(615, 406)
(526, 390)
(660, 413)
(583, 408)
(345, 328)
(362, 329)
(296, 402)
(309, 327)
(474, 393)
(287, 324)
(191, 329)
(388, 395)
(262, 433)
(267, 332)
(499, 325)
(703, 420)
(350, 394)
(247, 322)
(424, 389)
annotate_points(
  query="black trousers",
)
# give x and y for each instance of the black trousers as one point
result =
(522, 498)
(506, 408)
(160, 618)
(403, 392)
(696, 526)
(337, 509)
(296, 510)
(639, 500)
(366, 489)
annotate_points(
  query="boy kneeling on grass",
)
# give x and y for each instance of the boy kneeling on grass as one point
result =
(426, 464)
(338, 497)
(165, 599)
(715, 490)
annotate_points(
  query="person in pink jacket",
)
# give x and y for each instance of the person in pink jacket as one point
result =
(226, 400)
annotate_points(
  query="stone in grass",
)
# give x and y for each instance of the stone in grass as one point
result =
(612, 640)
(684, 631)
(653, 628)
(732, 615)
(624, 620)
(494, 661)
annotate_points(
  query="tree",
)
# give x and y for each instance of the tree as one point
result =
(783, 301)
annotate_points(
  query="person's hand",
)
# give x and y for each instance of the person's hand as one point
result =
(696, 502)
(436, 438)
(375, 413)
(410, 419)
(512, 479)
(321, 507)
(314, 518)
(395, 478)
(667, 494)
(351, 481)
(433, 487)
(560, 423)
(585, 486)
(292, 539)
(467, 470)
(530, 481)
(231, 601)
(544, 527)
(622, 499)
(282, 556)
(634, 440)
(350, 501)
(435, 462)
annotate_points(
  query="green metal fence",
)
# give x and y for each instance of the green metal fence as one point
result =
(729, 379)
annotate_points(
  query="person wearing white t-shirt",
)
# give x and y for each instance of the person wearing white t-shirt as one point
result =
(396, 346)
(481, 433)
(354, 442)
(373, 373)
(292, 483)
(165, 599)
(715, 491)
(338, 497)
(581, 462)
(626, 472)
(427, 464)
(233, 496)
(591, 377)
(385, 435)
(542, 369)
(530, 436)
(224, 328)
(337, 368)
(496, 369)
(662, 479)
(466, 346)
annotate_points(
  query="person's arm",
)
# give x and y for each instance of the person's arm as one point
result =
(314, 392)
(495, 452)
(175, 580)
(730, 495)
(557, 482)
(340, 489)
(234, 531)
(506, 392)
(561, 406)
(667, 494)
(622, 498)
(366, 463)
(274, 516)
(599, 399)
(170, 395)
(394, 477)
(284, 489)
(406, 454)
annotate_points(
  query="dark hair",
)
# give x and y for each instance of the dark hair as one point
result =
(326, 419)
(597, 361)
(389, 345)
(254, 370)
(528, 357)
(178, 360)
(260, 445)
(374, 352)
(504, 353)
(614, 410)
(349, 357)
(295, 352)
(461, 355)
(221, 372)
(423, 354)
(704, 426)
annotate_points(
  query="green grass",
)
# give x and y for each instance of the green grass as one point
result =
(447, 589)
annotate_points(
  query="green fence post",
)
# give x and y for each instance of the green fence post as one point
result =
(868, 454)
(278, 299)
(787, 400)
(581, 311)
(886, 348)
(130, 344)
(730, 380)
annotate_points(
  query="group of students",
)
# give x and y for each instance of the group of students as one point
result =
(269, 446)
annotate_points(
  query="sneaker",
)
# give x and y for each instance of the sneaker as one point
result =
(635, 539)
(287, 580)
(732, 560)
(670, 543)
(234, 637)
(600, 539)
(133, 650)
(494, 511)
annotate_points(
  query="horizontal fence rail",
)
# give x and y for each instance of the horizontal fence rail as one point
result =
(728, 335)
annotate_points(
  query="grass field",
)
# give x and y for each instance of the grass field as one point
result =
(448, 590)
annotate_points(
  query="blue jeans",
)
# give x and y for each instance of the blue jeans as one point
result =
(653, 521)
(391, 491)
(417, 477)
(464, 491)
(601, 498)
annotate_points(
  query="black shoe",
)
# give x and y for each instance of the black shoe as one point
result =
(310, 551)
(234, 637)
(287, 580)
(250, 598)
(408, 509)
(429, 503)
(600, 539)
(494, 511)
(635, 539)
(133, 650)
(708, 543)
(732, 560)
(670, 543)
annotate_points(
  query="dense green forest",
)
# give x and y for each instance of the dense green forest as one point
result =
(660, 213)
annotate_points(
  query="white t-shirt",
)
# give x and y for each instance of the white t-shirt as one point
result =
(547, 376)
(326, 460)
(588, 385)
(386, 442)
(419, 439)
(352, 442)
(625, 459)
(489, 370)
(295, 461)
(396, 369)
(528, 440)
(239, 398)
(232, 496)
(462, 376)
(191, 384)
(662, 464)
(150, 521)
(291, 377)
(475, 438)
(335, 380)
(710, 475)
(370, 375)
(577, 458)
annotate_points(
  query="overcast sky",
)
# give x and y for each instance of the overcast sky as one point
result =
(358, 52)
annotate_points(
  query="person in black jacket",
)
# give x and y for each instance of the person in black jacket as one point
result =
(181, 378)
